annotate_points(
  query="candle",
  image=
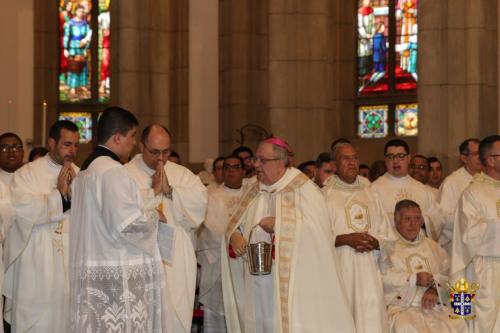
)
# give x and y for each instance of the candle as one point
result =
(44, 121)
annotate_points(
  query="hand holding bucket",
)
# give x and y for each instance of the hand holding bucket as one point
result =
(260, 258)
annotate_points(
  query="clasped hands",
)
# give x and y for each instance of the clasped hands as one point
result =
(430, 297)
(359, 241)
(65, 178)
(239, 243)
(159, 183)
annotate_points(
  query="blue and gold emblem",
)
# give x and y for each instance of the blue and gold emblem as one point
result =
(462, 298)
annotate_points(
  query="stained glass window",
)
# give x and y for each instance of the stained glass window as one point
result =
(406, 119)
(373, 44)
(387, 75)
(104, 56)
(372, 121)
(83, 121)
(405, 69)
(80, 22)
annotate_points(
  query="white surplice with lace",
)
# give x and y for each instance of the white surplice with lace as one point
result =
(117, 278)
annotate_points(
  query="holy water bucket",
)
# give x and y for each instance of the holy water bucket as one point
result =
(260, 257)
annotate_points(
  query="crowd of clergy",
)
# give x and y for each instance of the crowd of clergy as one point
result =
(127, 243)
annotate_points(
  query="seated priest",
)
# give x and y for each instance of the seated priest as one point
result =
(415, 273)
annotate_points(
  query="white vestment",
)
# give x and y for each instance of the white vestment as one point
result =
(185, 212)
(390, 190)
(476, 249)
(353, 208)
(221, 205)
(116, 274)
(6, 216)
(6, 177)
(401, 261)
(303, 293)
(36, 251)
(449, 194)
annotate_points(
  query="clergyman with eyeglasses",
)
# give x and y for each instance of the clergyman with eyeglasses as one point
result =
(182, 198)
(11, 156)
(476, 249)
(396, 185)
(454, 185)
(302, 289)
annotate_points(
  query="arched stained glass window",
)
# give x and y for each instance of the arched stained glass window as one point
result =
(84, 61)
(387, 74)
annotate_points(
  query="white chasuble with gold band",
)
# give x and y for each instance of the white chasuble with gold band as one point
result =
(306, 292)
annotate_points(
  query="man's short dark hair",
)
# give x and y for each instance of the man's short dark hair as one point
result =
(236, 157)
(220, 158)
(114, 120)
(242, 149)
(397, 143)
(405, 204)
(302, 166)
(433, 159)
(323, 158)
(56, 128)
(485, 147)
(37, 151)
(463, 149)
(147, 130)
(7, 135)
(364, 166)
(338, 141)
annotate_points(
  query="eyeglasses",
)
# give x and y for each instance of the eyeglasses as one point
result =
(419, 166)
(232, 166)
(5, 148)
(264, 160)
(399, 156)
(494, 155)
(157, 152)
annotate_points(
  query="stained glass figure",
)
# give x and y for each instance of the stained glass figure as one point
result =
(405, 69)
(406, 120)
(75, 60)
(372, 121)
(373, 44)
(104, 55)
(83, 121)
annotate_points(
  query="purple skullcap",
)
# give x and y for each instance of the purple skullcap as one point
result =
(278, 142)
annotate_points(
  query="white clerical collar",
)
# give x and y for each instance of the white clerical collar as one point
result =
(484, 178)
(339, 183)
(290, 173)
(397, 179)
(52, 164)
(420, 238)
(142, 165)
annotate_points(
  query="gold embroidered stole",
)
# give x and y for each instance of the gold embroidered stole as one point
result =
(285, 240)
(285, 244)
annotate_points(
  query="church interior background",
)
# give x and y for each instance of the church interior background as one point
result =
(221, 73)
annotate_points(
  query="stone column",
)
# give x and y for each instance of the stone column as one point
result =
(300, 74)
(143, 68)
(458, 88)
(243, 59)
